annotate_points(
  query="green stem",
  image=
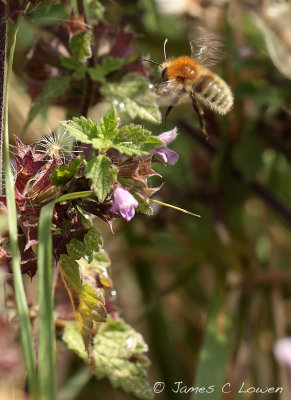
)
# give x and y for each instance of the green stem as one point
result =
(3, 35)
(25, 325)
(46, 329)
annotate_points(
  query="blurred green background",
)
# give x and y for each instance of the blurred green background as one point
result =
(214, 289)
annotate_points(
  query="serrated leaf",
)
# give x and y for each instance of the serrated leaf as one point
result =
(88, 301)
(83, 129)
(69, 63)
(118, 352)
(97, 74)
(61, 176)
(74, 65)
(80, 46)
(134, 139)
(92, 240)
(129, 93)
(101, 174)
(108, 125)
(99, 135)
(130, 139)
(95, 271)
(80, 72)
(108, 64)
(52, 90)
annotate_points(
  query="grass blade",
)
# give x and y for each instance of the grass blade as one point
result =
(25, 325)
(75, 384)
(46, 331)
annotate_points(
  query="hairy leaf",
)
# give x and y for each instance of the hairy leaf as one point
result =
(118, 352)
(130, 139)
(109, 64)
(61, 176)
(134, 139)
(101, 174)
(88, 301)
(82, 129)
(133, 94)
(80, 46)
(108, 125)
(74, 65)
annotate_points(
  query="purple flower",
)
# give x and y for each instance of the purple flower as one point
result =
(124, 202)
(167, 155)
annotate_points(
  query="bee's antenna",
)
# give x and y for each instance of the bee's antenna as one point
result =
(153, 62)
(165, 55)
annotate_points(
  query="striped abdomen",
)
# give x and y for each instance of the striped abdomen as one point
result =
(213, 92)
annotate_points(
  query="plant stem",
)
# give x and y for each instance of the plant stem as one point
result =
(46, 328)
(25, 326)
(2, 73)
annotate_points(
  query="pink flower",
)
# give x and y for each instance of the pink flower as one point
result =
(124, 202)
(167, 155)
(282, 351)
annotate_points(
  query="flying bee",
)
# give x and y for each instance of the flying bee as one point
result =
(188, 79)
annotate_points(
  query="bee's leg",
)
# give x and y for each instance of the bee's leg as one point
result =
(166, 115)
(200, 114)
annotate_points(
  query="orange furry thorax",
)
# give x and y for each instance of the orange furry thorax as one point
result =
(182, 68)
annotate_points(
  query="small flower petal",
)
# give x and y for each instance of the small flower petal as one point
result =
(168, 137)
(167, 155)
(124, 202)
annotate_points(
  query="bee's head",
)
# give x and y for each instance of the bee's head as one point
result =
(164, 69)
(164, 74)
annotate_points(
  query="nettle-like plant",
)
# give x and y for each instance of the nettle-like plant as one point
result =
(61, 181)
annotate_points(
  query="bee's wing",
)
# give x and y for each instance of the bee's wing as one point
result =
(168, 93)
(206, 46)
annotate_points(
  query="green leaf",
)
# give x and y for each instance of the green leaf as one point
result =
(79, 275)
(69, 63)
(118, 352)
(94, 271)
(80, 72)
(98, 135)
(134, 139)
(95, 9)
(61, 176)
(88, 301)
(108, 64)
(82, 129)
(74, 340)
(52, 90)
(97, 74)
(101, 174)
(74, 65)
(134, 95)
(92, 240)
(107, 128)
(130, 139)
(80, 46)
